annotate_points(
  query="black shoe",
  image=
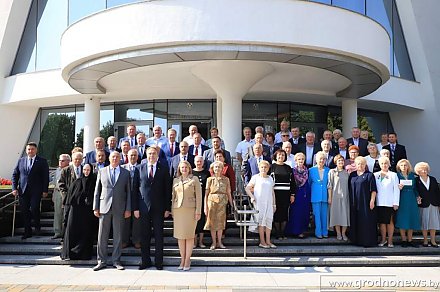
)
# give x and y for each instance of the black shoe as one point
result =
(26, 236)
(159, 267)
(99, 266)
(404, 244)
(143, 266)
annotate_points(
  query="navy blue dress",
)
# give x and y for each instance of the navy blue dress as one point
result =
(363, 221)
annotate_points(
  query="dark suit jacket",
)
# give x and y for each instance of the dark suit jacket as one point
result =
(209, 158)
(428, 197)
(251, 167)
(301, 140)
(176, 160)
(204, 148)
(362, 146)
(91, 156)
(399, 153)
(347, 154)
(67, 178)
(33, 182)
(316, 148)
(152, 196)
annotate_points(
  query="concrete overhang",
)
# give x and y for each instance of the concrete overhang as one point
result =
(300, 36)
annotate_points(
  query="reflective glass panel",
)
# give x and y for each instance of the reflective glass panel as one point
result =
(112, 3)
(353, 5)
(52, 21)
(81, 8)
(322, 1)
(260, 114)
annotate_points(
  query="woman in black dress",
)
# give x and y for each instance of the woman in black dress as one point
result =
(203, 175)
(284, 191)
(362, 191)
(78, 218)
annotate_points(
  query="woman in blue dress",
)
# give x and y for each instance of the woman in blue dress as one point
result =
(318, 180)
(408, 218)
(299, 210)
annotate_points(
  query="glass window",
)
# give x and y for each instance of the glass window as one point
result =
(260, 114)
(57, 133)
(107, 121)
(353, 5)
(52, 21)
(329, 2)
(25, 58)
(112, 3)
(81, 8)
(160, 115)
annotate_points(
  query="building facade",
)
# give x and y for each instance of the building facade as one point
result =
(75, 69)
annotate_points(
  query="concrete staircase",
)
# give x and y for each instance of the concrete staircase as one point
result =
(291, 252)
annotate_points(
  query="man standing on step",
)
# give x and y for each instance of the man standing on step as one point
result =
(152, 204)
(112, 203)
(30, 181)
(57, 197)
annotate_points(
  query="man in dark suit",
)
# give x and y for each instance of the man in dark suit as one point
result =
(141, 147)
(30, 181)
(152, 203)
(358, 141)
(70, 174)
(183, 155)
(397, 151)
(209, 155)
(326, 147)
(111, 204)
(125, 147)
(342, 148)
(170, 147)
(91, 155)
(131, 136)
(251, 167)
(197, 148)
(296, 140)
(310, 148)
(112, 144)
(101, 161)
(335, 140)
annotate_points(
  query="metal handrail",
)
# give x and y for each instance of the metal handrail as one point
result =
(14, 203)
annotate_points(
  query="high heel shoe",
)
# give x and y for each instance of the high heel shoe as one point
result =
(187, 268)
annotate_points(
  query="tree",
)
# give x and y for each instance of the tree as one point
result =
(106, 131)
(57, 137)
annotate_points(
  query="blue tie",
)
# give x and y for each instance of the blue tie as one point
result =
(113, 176)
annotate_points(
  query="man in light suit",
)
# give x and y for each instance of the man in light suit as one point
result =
(30, 181)
(251, 167)
(91, 155)
(132, 226)
(131, 136)
(152, 203)
(209, 155)
(171, 147)
(183, 155)
(111, 204)
(57, 197)
(358, 141)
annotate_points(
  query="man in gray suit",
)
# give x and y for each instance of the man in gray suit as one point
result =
(57, 197)
(112, 203)
(209, 155)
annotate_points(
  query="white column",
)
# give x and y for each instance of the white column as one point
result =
(92, 107)
(349, 116)
(231, 80)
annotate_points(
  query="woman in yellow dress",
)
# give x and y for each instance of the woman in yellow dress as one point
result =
(186, 206)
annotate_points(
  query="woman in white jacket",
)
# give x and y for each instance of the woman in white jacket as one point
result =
(387, 200)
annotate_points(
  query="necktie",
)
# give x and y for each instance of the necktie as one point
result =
(141, 151)
(113, 176)
(126, 158)
(184, 157)
(393, 147)
(77, 173)
(150, 174)
(30, 164)
(171, 149)
(197, 151)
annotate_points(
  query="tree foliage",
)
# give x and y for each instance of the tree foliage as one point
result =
(106, 131)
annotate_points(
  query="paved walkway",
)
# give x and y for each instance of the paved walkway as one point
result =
(255, 279)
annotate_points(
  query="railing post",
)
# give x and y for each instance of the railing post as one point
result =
(13, 218)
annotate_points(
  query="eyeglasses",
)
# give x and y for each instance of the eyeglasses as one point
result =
(285, 135)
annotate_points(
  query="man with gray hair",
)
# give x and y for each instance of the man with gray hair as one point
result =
(57, 197)
(190, 138)
(157, 139)
(310, 148)
(336, 135)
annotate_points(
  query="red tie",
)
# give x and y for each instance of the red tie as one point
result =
(150, 174)
(171, 149)
(197, 151)
(126, 158)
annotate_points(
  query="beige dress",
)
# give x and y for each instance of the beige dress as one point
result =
(186, 202)
(218, 189)
(340, 206)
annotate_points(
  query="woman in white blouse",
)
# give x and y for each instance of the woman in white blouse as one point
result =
(387, 200)
(373, 158)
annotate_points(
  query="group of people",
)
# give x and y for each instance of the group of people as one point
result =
(130, 186)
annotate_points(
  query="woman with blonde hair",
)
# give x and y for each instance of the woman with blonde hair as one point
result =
(260, 189)
(407, 217)
(387, 200)
(429, 202)
(186, 208)
(217, 195)
(373, 158)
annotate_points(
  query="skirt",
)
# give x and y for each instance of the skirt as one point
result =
(384, 214)
(184, 223)
(216, 219)
(430, 218)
